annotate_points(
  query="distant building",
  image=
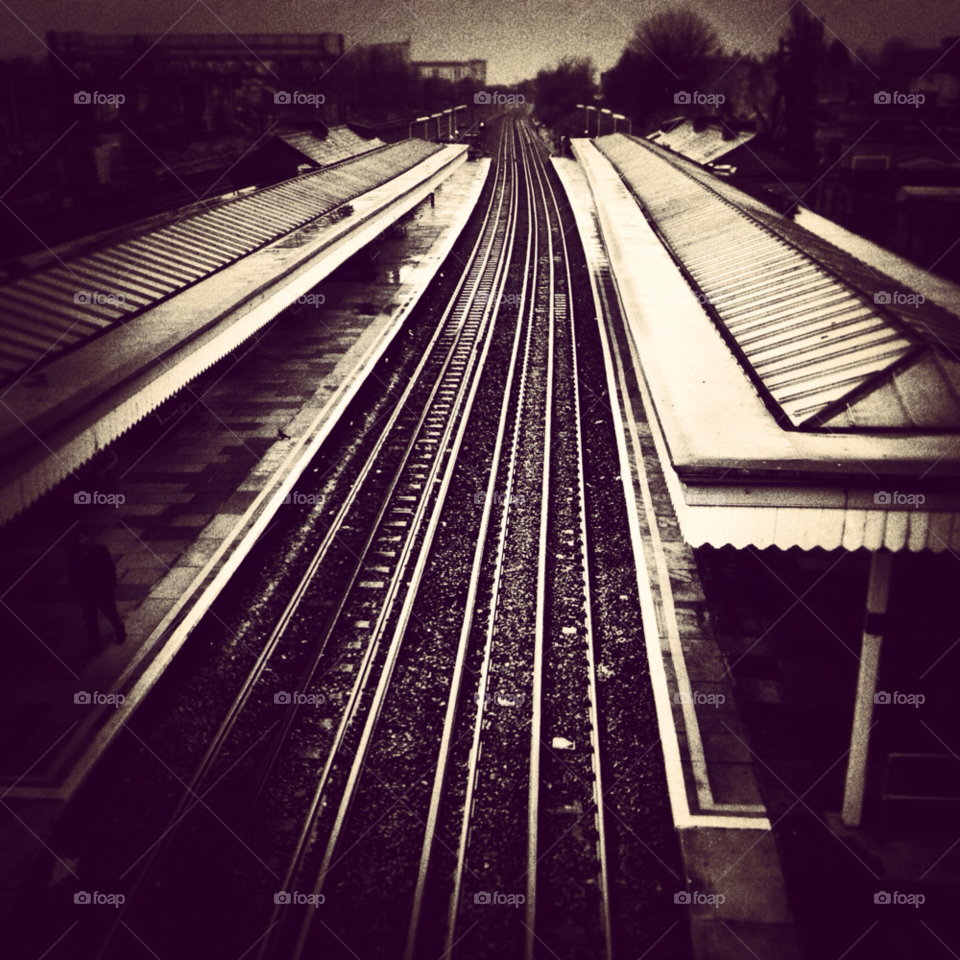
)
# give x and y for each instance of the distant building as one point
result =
(935, 72)
(209, 83)
(396, 50)
(80, 50)
(889, 162)
(145, 116)
(454, 70)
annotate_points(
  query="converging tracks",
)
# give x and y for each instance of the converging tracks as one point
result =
(524, 654)
(455, 774)
(418, 436)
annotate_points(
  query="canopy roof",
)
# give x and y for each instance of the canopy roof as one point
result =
(830, 342)
(738, 469)
(340, 143)
(69, 298)
(705, 145)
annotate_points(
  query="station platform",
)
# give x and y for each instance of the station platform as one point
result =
(194, 504)
(101, 332)
(735, 354)
(723, 823)
(773, 563)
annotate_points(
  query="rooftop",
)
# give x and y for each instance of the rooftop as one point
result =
(702, 142)
(339, 144)
(830, 342)
(69, 298)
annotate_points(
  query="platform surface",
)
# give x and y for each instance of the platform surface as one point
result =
(193, 505)
(56, 418)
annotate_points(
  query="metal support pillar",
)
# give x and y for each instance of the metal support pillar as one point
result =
(878, 591)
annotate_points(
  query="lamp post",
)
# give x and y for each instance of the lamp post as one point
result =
(586, 118)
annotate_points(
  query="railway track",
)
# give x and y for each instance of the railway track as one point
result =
(415, 448)
(414, 761)
(556, 675)
(536, 424)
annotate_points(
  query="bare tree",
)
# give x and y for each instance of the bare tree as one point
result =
(680, 40)
(671, 52)
(765, 100)
(558, 91)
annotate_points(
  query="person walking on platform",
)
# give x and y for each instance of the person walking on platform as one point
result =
(93, 576)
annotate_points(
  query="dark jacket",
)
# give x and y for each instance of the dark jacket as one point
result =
(90, 569)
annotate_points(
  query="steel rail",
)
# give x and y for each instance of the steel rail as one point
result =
(588, 605)
(532, 259)
(240, 701)
(480, 551)
(419, 561)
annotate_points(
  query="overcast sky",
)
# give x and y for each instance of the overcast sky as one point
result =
(516, 38)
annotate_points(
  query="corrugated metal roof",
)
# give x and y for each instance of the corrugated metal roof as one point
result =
(703, 146)
(733, 476)
(339, 144)
(800, 314)
(57, 307)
